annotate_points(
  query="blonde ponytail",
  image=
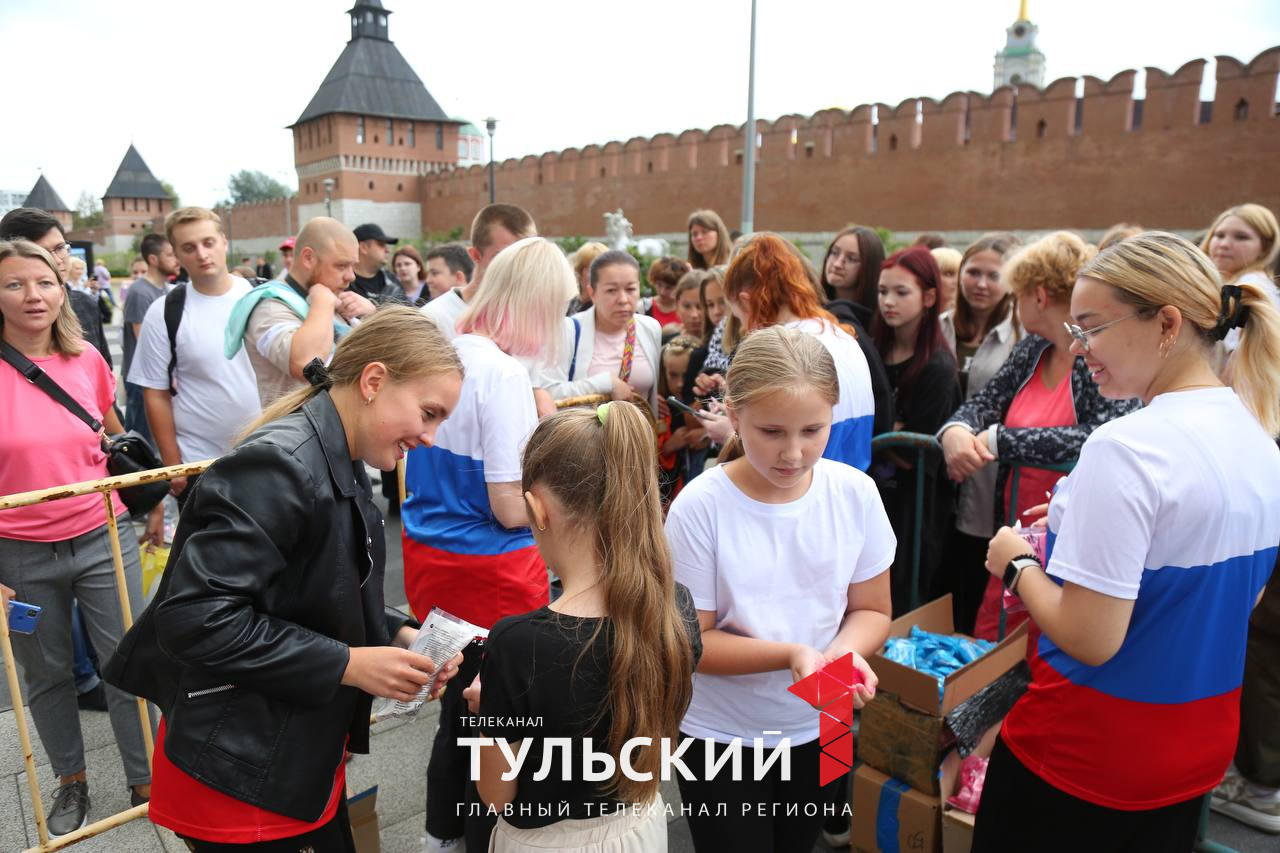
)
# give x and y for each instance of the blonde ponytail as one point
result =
(1253, 370)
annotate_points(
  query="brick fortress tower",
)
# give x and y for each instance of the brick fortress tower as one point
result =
(44, 197)
(135, 203)
(372, 129)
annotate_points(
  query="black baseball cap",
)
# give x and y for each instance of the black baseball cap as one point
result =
(373, 231)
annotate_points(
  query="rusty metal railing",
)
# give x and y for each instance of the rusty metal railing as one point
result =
(105, 487)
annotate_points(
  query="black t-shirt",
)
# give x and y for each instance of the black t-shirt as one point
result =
(539, 681)
(933, 397)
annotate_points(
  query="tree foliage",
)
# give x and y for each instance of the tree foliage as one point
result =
(248, 186)
(88, 212)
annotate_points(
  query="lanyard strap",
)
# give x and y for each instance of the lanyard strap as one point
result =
(628, 351)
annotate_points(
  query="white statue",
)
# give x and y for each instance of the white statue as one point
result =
(620, 235)
(617, 230)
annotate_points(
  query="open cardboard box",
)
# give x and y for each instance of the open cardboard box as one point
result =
(903, 732)
(920, 691)
(957, 825)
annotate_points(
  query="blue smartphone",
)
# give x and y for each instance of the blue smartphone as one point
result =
(23, 617)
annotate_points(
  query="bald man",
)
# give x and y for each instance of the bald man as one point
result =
(279, 341)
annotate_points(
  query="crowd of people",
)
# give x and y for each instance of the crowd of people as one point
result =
(662, 509)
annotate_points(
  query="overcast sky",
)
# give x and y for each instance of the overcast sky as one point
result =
(207, 88)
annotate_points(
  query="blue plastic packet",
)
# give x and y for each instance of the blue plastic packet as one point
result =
(938, 655)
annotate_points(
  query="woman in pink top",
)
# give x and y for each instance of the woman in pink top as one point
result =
(52, 552)
(1041, 405)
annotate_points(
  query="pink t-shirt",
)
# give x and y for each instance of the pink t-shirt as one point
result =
(1037, 406)
(606, 357)
(43, 445)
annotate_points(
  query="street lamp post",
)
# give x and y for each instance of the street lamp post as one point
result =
(749, 144)
(328, 196)
(491, 124)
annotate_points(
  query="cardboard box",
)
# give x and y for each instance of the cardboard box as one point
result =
(888, 819)
(920, 691)
(362, 809)
(902, 730)
(957, 825)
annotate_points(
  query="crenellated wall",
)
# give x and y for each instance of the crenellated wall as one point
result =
(1027, 158)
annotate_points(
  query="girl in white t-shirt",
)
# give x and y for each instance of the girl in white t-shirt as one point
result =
(785, 554)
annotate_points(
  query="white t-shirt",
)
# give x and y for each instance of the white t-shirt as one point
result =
(776, 572)
(445, 310)
(217, 397)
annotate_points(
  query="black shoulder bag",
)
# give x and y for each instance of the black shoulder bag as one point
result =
(127, 453)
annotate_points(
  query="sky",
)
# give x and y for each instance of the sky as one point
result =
(204, 88)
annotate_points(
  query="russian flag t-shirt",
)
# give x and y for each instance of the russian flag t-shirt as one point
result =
(853, 419)
(457, 555)
(1176, 507)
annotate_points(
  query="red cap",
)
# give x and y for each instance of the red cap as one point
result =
(288, 243)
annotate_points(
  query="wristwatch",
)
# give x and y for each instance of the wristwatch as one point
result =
(1013, 571)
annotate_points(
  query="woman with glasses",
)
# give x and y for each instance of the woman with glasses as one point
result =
(1161, 541)
(1040, 406)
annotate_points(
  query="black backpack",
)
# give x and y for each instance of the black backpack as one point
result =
(174, 301)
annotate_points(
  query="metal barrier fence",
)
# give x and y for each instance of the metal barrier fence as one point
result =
(105, 487)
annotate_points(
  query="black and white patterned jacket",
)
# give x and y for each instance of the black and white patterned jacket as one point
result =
(1035, 445)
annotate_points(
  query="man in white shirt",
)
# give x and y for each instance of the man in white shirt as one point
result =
(495, 228)
(197, 413)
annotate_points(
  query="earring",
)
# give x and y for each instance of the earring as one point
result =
(542, 528)
(368, 401)
(1165, 346)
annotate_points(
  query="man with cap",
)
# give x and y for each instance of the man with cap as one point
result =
(286, 258)
(372, 281)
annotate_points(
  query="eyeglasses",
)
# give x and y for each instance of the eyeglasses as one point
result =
(62, 248)
(1083, 335)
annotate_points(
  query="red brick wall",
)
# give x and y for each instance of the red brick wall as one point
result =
(906, 175)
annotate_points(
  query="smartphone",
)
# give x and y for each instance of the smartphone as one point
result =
(682, 406)
(23, 617)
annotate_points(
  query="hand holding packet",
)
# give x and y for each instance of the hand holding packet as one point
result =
(1035, 537)
(441, 637)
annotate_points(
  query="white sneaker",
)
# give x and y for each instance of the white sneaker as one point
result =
(431, 844)
(1233, 799)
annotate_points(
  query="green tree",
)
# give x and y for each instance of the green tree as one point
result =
(173, 195)
(88, 212)
(249, 186)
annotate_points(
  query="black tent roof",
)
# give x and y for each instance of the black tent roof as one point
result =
(134, 180)
(44, 197)
(371, 77)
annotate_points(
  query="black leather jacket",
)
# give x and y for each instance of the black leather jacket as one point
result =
(276, 570)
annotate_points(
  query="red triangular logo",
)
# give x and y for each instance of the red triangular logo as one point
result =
(841, 749)
(806, 688)
(841, 669)
(841, 709)
(830, 728)
(829, 770)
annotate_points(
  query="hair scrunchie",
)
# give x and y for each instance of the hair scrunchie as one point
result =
(602, 412)
(317, 374)
(1234, 313)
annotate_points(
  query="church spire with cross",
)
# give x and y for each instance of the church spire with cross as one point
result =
(1020, 62)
